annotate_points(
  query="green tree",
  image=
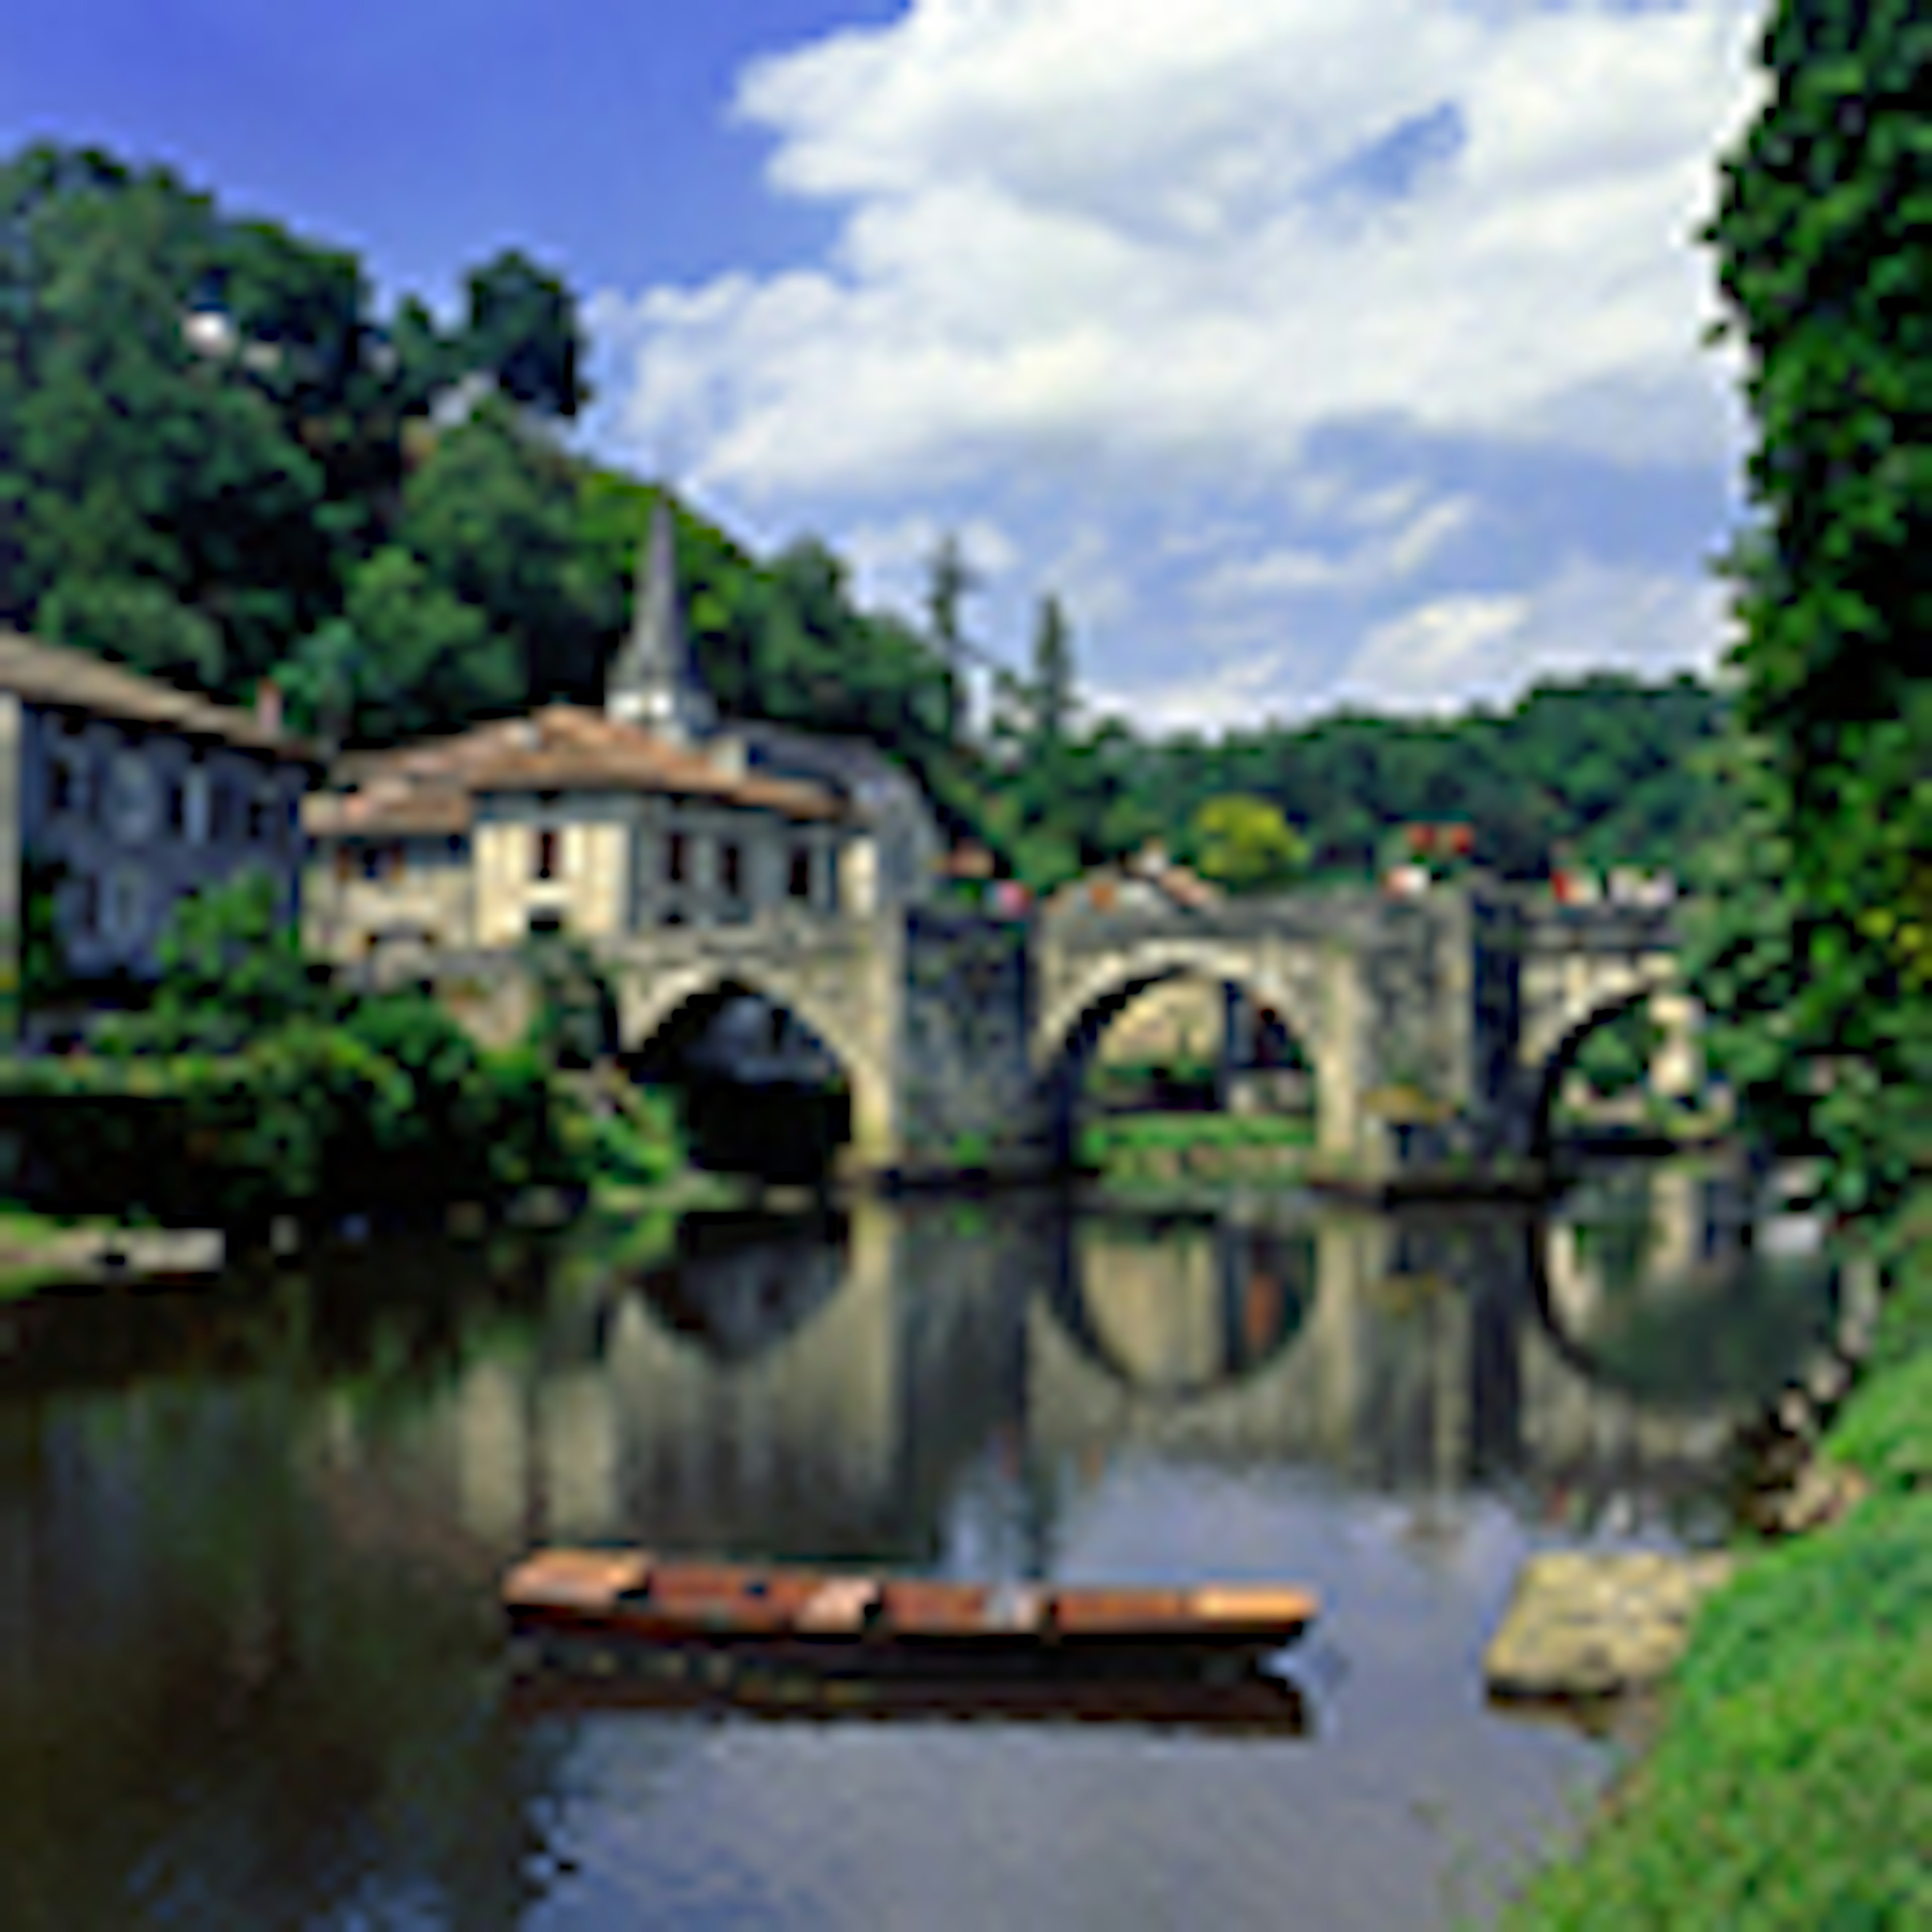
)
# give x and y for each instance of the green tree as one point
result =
(522, 330)
(331, 680)
(231, 968)
(130, 456)
(435, 662)
(1245, 844)
(950, 581)
(489, 516)
(1050, 691)
(1823, 236)
(138, 621)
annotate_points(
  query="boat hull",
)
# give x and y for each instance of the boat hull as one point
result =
(793, 1619)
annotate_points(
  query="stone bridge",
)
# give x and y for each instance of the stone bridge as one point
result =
(1445, 1021)
(1442, 1022)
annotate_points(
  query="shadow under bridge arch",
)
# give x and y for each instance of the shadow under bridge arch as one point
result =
(768, 1084)
(1177, 1309)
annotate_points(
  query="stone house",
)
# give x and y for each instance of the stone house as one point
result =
(130, 795)
(567, 818)
(645, 813)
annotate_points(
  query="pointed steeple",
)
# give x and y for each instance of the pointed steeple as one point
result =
(652, 681)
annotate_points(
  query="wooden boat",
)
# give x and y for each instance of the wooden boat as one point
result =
(891, 1624)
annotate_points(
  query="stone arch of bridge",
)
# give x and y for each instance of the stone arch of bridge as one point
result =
(1553, 1042)
(649, 1005)
(1289, 985)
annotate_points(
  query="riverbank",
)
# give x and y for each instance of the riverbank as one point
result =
(1791, 1784)
(1154, 1152)
(38, 1251)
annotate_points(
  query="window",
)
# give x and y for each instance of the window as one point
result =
(345, 864)
(197, 814)
(545, 856)
(798, 882)
(731, 867)
(130, 798)
(60, 784)
(677, 858)
(125, 906)
(261, 815)
(87, 905)
(544, 923)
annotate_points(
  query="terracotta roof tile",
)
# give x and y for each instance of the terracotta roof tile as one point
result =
(388, 811)
(562, 748)
(51, 674)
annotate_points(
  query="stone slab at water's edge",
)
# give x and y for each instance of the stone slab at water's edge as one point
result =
(1586, 1624)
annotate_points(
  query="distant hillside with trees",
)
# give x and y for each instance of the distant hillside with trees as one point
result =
(218, 464)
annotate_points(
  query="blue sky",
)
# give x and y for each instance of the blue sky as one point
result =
(1311, 353)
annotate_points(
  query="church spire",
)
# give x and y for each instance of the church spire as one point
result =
(653, 681)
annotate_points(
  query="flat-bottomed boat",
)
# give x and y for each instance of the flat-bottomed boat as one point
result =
(785, 1615)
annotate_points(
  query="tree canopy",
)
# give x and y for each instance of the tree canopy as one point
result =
(1817, 963)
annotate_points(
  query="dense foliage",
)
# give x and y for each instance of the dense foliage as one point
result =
(1817, 960)
(252, 1084)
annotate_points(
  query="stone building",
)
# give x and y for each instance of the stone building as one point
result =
(127, 796)
(647, 812)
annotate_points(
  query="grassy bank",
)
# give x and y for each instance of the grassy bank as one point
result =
(1163, 1149)
(1792, 1784)
(37, 1250)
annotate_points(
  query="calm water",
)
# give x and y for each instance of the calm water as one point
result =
(251, 1674)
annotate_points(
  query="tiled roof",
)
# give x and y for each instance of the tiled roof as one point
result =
(51, 674)
(432, 785)
(393, 812)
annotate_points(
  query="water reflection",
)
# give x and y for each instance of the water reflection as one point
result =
(248, 1656)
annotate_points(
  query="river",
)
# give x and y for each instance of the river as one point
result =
(251, 1671)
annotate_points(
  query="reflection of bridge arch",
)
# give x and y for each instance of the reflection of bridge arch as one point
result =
(1291, 980)
(1264, 1288)
(1681, 1377)
(744, 1294)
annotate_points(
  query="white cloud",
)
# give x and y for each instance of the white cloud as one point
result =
(1238, 695)
(1097, 259)
(1384, 559)
(1090, 222)
(1466, 645)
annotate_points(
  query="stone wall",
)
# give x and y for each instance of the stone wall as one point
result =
(149, 817)
(431, 891)
(966, 1090)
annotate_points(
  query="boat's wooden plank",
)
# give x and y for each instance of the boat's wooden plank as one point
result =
(920, 1607)
(839, 1604)
(1099, 1612)
(577, 1578)
(1262, 1604)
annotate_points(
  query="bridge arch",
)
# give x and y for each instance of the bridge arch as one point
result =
(1592, 994)
(1289, 982)
(651, 1006)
